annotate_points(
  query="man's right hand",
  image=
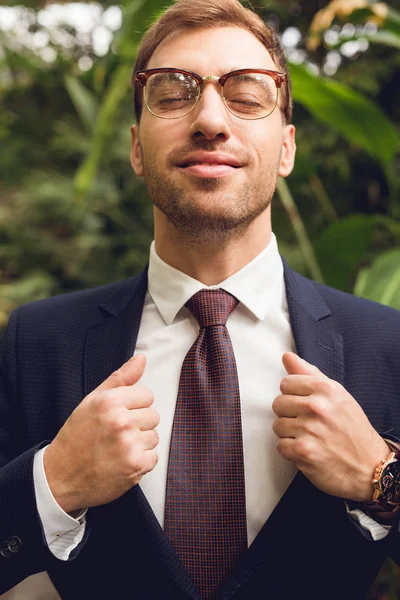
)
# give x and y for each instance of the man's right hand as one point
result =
(107, 444)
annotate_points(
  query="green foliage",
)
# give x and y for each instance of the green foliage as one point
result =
(84, 101)
(137, 17)
(353, 115)
(386, 17)
(381, 281)
(342, 246)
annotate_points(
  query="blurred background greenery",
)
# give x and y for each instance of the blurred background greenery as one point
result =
(72, 214)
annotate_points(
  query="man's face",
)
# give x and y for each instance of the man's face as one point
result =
(209, 199)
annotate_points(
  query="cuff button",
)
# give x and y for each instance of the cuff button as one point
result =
(5, 551)
(14, 544)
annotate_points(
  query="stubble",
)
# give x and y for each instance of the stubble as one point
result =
(210, 212)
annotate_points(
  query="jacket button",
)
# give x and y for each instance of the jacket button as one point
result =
(5, 551)
(14, 544)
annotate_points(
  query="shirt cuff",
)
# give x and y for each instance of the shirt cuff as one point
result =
(369, 528)
(62, 532)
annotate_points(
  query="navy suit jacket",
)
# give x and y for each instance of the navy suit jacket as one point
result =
(56, 351)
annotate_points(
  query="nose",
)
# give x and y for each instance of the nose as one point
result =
(210, 118)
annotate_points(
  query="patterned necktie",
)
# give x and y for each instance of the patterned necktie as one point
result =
(205, 512)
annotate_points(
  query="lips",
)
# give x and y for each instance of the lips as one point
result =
(208, 171)
(207, 164)
(209, 159)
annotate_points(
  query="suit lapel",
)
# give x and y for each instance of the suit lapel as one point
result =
(311, 322)
(162, 555)
(111, 341)
(317, 342)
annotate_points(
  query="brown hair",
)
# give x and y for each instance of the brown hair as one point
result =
(196, 14)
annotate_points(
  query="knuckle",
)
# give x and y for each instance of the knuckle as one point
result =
(103, 402)
(310, 426)
(320, 406)
(133, 462)
(326, 386)
(135, 421)
(284, 383)
(127, 446)
(305, 449)
(136, 459)
(119, 424)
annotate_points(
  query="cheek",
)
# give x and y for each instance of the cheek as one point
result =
(264, 141)
(157, 143)
(269, 152)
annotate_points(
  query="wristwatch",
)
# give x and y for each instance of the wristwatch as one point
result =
(386, 481)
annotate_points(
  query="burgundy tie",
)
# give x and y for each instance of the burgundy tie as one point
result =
(205, 511)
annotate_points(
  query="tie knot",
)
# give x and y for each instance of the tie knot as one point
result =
(212, 307)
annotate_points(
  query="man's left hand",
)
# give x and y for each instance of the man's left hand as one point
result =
(325, 432)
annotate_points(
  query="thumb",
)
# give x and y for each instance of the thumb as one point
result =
(295, 365)
(128, 374)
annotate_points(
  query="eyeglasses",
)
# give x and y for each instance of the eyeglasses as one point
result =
(247, 93)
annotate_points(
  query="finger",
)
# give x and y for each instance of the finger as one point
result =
(287, 405)
(149, 439)
(151, 459)
(285, 447)
(132, 397)
(128, 374)
(285, 427)
(295, 365)
(300, 385)
(145, 419)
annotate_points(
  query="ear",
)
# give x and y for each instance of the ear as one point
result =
(288, 151)
(136, 152)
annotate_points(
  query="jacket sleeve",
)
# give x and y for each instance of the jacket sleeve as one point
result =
(23, 548)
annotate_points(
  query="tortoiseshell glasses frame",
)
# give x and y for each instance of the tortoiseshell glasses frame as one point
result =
(250, 109)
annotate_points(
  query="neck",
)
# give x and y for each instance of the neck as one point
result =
(211, 261)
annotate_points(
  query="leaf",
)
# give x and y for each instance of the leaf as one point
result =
(382, 36)
(84, 101)
(299, 228)
(385, 37)
(138, 15)
(356, 117)
(341, 248)
(104, 129)
(381, 281)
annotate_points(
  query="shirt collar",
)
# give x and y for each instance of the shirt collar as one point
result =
(255, 285)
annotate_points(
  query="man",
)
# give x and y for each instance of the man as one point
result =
(149, 480)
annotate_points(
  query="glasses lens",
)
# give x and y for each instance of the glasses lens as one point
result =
(171, 95)
(251, 95)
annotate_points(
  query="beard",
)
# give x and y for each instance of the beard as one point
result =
(212, 212)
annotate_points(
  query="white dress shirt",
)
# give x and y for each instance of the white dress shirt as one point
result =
(260, 332)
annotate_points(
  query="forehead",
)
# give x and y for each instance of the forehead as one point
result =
(212, 51)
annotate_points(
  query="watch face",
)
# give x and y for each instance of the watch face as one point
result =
(390, 482)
